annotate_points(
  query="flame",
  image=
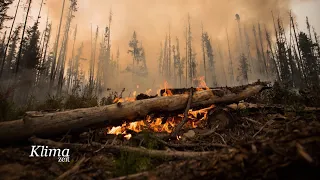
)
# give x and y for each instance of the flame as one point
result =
(148, 92)
(127, 136)
(195, 117)
(115, 130)
(158, 124)
(202, 84)
(167, 92)
(126, 99)
(137, 86)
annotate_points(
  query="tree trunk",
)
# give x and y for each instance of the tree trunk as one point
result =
(51, 124)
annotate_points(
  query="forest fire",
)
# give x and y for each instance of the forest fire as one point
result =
(239, 98)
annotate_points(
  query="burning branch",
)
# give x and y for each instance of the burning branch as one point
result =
(185, 118)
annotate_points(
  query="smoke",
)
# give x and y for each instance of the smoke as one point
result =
(151, 20)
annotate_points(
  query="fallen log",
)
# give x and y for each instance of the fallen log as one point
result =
(218, 90)
(52, 124)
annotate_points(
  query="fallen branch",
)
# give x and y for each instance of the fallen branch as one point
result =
(275, 108)
(192, 145)
(57, 123)
(117, 149)
(74, 169)
(73, 146)
(185, 117)
(132, 176)
(267, 123)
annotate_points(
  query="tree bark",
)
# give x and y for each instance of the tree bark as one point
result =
(52, 124)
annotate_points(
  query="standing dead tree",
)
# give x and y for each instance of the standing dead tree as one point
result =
(55, 51)
(203, 53)
(64, 46)
(71, 61)
(93, 61)
(261, 68)
(191, 55)
(22, 40)
(231, 73)
(8, 40)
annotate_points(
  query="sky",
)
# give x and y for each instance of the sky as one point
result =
(151, 20)
(309, 8)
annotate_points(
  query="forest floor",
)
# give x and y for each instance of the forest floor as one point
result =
(262, 143)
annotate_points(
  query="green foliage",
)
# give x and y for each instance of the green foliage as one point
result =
(310, 61)
(31, 49)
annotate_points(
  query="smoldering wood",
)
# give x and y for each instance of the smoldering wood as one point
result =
(185, 118)
(57, 123)
(220, 91)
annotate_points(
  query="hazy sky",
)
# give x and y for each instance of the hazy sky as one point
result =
(305, 8)
(151, 20)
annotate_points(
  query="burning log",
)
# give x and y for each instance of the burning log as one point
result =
(79, 120)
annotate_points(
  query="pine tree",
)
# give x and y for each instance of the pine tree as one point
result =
(4, 6)
(179, 63)
(118, 62)
(8, 66)
(309, 59)
(203, 53)
(55, 51)
(31, 50)
(75, 79)
(30, 53)
(8, 41)
(273, 67)
(64, 46)
(191, 55)
(230, 69)
(209, 54)
(133, 44)
(2, 49)
(260, 65)
(160, 60)
(22, 41)
(285, 72)
(165, 58)
(244, 67)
